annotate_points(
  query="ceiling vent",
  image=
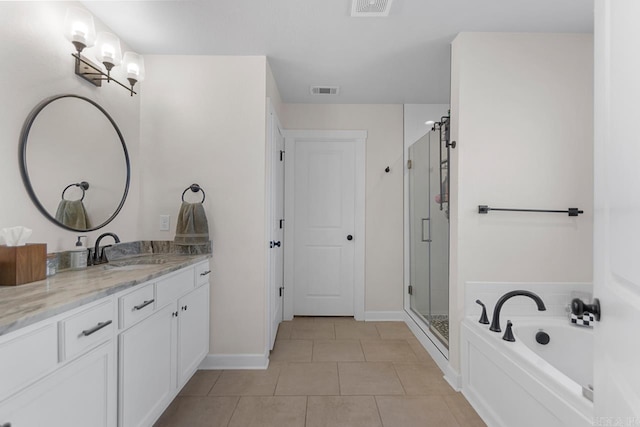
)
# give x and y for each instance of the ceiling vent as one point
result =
(325, 90)
(371, 8)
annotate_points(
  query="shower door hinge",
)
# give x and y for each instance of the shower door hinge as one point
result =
(410, 290)
(281, 223)
(409, 164)
(281, 155)
(281, 290)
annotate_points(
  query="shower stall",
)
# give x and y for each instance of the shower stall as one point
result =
(428, 170)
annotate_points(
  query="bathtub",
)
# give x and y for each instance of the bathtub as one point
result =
(523, 383)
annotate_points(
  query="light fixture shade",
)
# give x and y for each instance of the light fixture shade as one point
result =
(134, 66)
(108, 50)
(79, 28)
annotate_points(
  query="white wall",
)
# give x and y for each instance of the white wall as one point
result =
(36, 64)
(415, 116)
(522, 114)
(203, 120)
(383, 209)
(273, 93)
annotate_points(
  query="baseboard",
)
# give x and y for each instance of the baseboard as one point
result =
(235, 361)
(384, 316)
(453, 378)
(487, 415)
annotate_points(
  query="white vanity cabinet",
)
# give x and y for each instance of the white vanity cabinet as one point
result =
(159, 353)
(74, 377)
(193, 332)
(115, 362)
(146, 368)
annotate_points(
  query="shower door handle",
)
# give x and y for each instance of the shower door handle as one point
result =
(428, 236)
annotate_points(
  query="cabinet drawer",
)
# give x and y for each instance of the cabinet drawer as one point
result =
(168, 290)
(136, 305)
(27, 357)
(203, 272)
(87, 329)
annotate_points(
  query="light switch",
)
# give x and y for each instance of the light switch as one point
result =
(165, 220)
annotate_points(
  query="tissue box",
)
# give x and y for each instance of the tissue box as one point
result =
(23, 264)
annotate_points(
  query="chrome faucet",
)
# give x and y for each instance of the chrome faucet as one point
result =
(102, 259)
(495, 322)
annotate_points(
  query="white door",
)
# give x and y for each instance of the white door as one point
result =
(324, 200)
(82, 393)
(147, 368)
(193, 335)
(617, 212)
(276, 225)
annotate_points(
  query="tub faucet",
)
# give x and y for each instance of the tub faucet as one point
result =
(102, 259)
(495, 322)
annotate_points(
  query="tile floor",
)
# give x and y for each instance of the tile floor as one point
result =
(328, 372)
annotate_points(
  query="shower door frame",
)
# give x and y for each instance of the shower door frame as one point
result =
(416, 323)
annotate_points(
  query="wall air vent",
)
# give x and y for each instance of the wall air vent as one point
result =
(325, 90)
(370, 8)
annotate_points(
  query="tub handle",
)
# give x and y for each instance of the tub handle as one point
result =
(508, 334)
(483, 317)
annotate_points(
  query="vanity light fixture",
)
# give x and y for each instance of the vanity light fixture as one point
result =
(80, 31)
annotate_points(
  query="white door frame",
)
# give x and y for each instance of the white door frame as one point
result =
(359, 137)
(273, 123)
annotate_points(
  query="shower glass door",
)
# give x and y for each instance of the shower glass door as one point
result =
(429, 233)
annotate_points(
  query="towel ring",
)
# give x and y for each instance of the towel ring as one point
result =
(84, 186)
(195, 188)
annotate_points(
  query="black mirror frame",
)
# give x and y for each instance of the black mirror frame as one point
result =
(24, 135)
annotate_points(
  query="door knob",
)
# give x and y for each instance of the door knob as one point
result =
(349, 237)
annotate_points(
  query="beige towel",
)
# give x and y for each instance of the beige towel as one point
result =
(192, 227)
(73, 214)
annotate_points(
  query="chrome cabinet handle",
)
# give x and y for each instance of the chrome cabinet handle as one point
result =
(143, 305)
(96, 328)
(204, 273)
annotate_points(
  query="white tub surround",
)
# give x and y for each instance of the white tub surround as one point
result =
(556, 297)
(524, 383)
(508, 384)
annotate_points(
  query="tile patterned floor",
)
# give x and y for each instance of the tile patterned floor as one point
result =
(328, 372)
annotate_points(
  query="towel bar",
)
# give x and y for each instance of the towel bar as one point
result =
(84, 186)
(484, 209)
(195, 188)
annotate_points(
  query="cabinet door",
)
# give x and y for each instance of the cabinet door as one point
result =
(193, 333)
(81, 394)
(147, 368)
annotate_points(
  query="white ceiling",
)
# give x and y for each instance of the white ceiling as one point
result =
(400, 59)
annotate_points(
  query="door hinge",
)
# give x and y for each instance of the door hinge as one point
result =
(281, 155)
(409, 164)
(281, 223)
(281, 290)
(410, 290)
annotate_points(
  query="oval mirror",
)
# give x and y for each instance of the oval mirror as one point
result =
(74, 162)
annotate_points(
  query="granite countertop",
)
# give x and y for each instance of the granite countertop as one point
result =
(24, 305)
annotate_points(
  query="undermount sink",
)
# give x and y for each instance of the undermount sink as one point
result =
(133, 264)
(126, 267)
